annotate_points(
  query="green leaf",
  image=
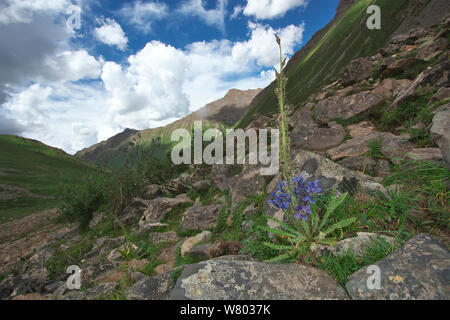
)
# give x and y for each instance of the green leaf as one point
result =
(339, 225)
(277, 246)
(284, 225)
(278, 232)
(331, 206)
(279, 258)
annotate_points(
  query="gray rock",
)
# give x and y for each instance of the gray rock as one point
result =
(420, 270)
(347, 107)
(201, 185)
(436, 76)
(32, 282)
(425, 154)
(221, 279)
(363, 164)
(200, 217)
(134, 211)
(153, 190)
(398, 66)
(102, 291)
(158, 208)
(248, 182)
(157, 288)
(440, 132)
(307, 135)
(356, 71)
(96, 219)
(157, 238)
(358, 244)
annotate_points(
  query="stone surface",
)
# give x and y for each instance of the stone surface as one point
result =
(307, 135)
(248, 182)
(441, 94)
(134, 211)
(360, 129)
(396, 146)
(200, 217)
(358, 245)
(189, 243)
(96, 219)
(32, 282)
(157, 238)
(420, 270)
(158, 208)
(153, 190)
(436, 76)
(217, 249)
(221, 279)
(363, 164)
(346, 107)
(425, 154)
(157, 288)
(356, 146)
(440, 131)
(356, 71)
(201, 185)
(399, 66)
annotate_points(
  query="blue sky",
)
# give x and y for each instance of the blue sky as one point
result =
(137, 64)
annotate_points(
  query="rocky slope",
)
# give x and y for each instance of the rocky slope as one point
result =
(342, 40)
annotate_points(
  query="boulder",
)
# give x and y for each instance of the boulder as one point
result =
(31, 282)
(96, 219)
(356, 146)
(176, 186)
(425, 154)
(441, 94)
(358, 245)
(158, 208)
(347, 107)
(200, 217)
(360, 129)
(307, 135)
(356, 71)
(189, 243)
(202, 185)
(420, 270)
(363, 164)
(157, 288)
(158, 238)
(399, 66)
(153, 190)
(396, 146)
(224, 279)
(440, 132)
(214, 250)
(435, 76)
(134, 211)
(248, 182)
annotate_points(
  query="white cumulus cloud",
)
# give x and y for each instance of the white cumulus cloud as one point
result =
(212, 17)
(270, 9)
(111, 33)
(143, 14)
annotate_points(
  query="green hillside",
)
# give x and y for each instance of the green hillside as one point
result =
(347, 39)
(31, 173)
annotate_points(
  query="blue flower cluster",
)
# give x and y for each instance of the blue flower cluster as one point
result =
(304, 191)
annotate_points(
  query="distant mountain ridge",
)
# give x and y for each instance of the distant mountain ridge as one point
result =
(226, 111)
